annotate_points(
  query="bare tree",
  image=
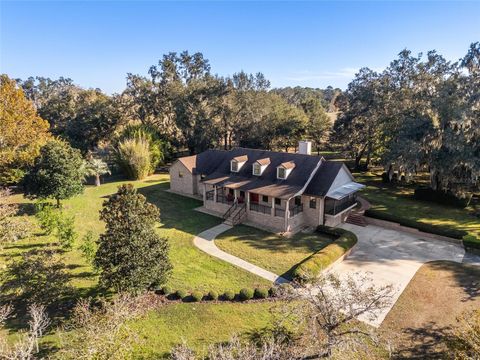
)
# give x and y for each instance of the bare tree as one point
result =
(330, 310)
(27, 346)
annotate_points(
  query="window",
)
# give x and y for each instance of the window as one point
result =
(257, 169)
(180, 174)
(278, 201)
(234, 166)
(298, 200)
(281, 173)
(265, 198)
(313, 203)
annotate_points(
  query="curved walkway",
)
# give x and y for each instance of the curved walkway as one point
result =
(205, 242)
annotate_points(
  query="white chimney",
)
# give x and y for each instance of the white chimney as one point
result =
(305, 147)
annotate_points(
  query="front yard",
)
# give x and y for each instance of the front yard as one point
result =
(270, 251)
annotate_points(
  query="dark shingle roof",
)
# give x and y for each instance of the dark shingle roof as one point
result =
(216, 165)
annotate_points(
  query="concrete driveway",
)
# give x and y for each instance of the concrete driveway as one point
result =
(392, 257)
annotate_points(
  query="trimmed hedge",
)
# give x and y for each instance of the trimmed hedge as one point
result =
(181, 294)
(212, 295)
(471, 241)
(246, 294)
(197, 296)
(229, 295)
(312, 267)
(432, 229)
(261, 293)
(441, 197)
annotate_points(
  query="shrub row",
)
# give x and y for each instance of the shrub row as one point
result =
(471, 242)
(311, 268)
(243, 295)
(432, 229)
(441, 197)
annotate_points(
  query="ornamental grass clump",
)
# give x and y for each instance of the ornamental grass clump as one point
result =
(133, 156)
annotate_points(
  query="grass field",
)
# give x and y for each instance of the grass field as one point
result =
(192, 269)
(270, 251)
(397, 199)
(427, 310)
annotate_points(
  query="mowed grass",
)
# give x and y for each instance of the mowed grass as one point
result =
(427, 311)
(198, 324)
(192, 269)
(397, 199)
(270, 251)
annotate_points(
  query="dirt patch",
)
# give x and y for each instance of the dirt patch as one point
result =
(426, 312)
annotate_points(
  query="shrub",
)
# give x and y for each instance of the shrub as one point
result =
(246, 294)
(471, 241)
(181, 294)
(197, 296)
(166, 290)
(88, 247)
(133, 156)
(229, 295)
(273, 291)
(441, 197)
(261, 293)
(47, 217)
(66, 233)
(212, 295)
(313, 265)
(428, 228)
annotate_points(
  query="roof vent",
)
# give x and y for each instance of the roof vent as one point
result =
(305, 147)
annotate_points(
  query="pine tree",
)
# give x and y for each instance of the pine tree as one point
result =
(131, 256)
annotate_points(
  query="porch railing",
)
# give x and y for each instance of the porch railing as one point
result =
(334, 207)
(294, 211)
(209, 195)
(264, 209)
(279, 212)
(221, 198)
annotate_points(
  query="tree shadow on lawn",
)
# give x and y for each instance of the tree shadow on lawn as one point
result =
(466, 276)
(427, 342)
(176, 211)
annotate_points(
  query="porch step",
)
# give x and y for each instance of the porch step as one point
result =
(356, 219)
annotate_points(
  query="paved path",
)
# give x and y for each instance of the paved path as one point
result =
(205, 241)
(392, 257)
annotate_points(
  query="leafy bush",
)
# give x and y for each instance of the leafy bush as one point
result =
(441, 197)
(66, 233)
(47, 217)
(88, 247)
(229, 295)
(273, 291)
(133, 156)
(246, 294)
(197, 296)
(471, 241)
(166, 290)
(181, 294)
(212, 295)
(428, 228)
(261, 293)
(312, 267)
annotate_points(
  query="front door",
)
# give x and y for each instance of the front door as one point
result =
(253, 198)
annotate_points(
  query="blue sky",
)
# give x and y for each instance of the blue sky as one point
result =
(293, 43)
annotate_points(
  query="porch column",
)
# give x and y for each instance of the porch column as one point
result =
(321, 212)
(214, 193)
(287, 211)
(204, 193)
(272, 210)
(247, 194)
(234, 194)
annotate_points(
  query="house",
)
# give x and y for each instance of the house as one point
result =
(277, 191)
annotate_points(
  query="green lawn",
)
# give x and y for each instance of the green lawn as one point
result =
(199, 324)
(270, 251)
(398, 200)
(192, 269)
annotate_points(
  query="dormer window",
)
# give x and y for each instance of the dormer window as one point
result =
(259, 166)
(284, 169)
(237, 163)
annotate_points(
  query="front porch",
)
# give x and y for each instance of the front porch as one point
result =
(268, 212)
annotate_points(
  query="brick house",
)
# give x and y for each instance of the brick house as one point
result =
(276, 191)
